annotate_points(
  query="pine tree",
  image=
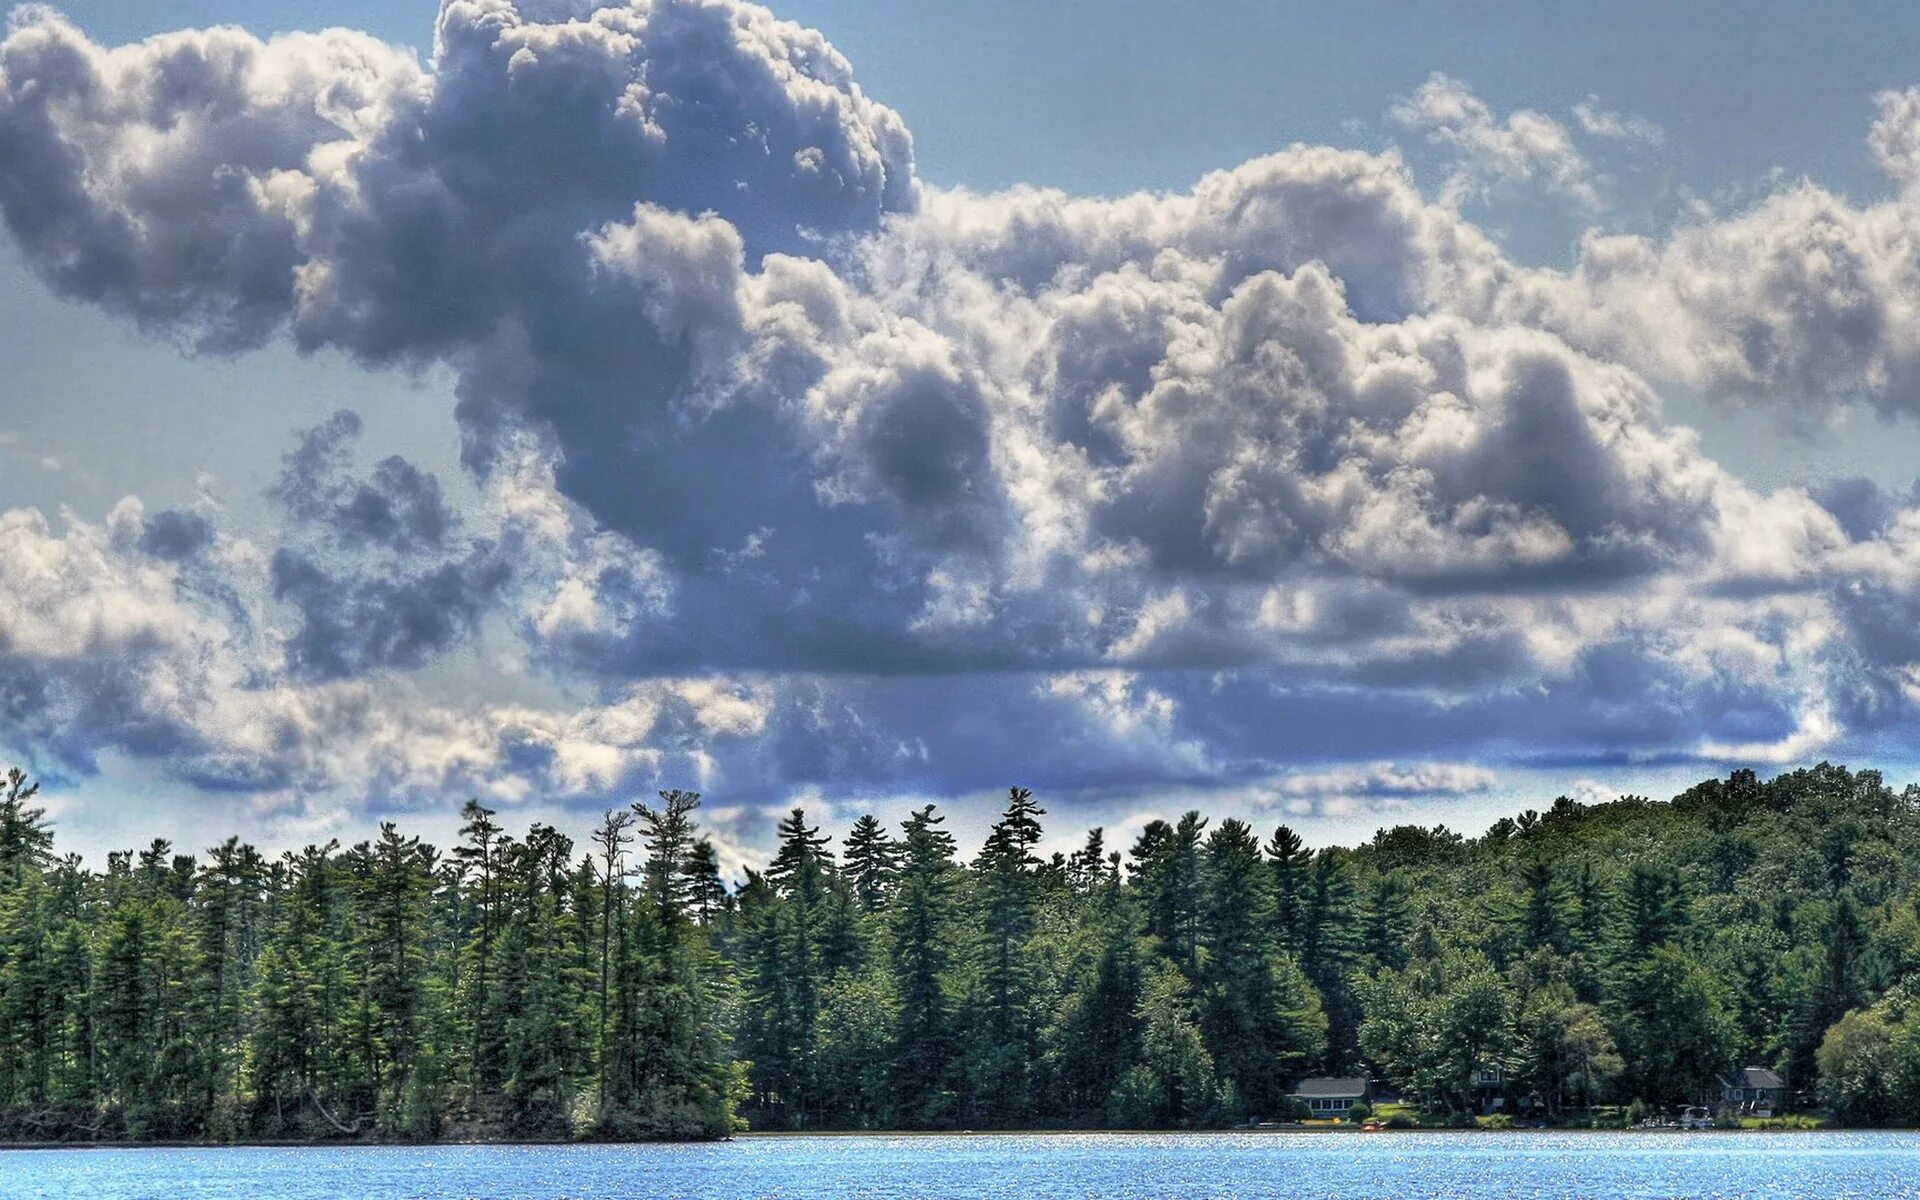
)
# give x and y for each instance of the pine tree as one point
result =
(25, 838)
(612, 839)
(226, 898)
(1386, 920)
(800, 875)
(1261, 1020)
(1327, 949)
(1086, 867)
(706, 893)
(1291, 862)
(668, 835)
(922, 915)
(475, 859)
(872, 862)
(1004, 1054)
(393, 940)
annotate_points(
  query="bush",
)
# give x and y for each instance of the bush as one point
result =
(1637, 1112)
(1402, 1121)
(1857, 1065)
(1359, 1112)
(1297, 1110)
(1497, 1121)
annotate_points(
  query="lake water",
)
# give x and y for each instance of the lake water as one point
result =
(1403, 1166)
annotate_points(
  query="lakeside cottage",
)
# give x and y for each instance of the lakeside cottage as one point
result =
(1326, 1097)
(1751, 1092)
(1489, 1089)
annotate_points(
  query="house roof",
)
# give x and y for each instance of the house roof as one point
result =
(1310, 1089)
(1754, 1077)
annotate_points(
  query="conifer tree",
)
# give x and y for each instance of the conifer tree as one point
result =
(872, 862)
(923, 912)
(476, 860)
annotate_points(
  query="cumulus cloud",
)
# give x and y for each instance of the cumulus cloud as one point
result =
(110, 647)
(796, 472)
(1804, 302)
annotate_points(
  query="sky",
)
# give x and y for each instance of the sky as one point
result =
(1344, 418)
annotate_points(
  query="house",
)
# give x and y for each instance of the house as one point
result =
(1332, 1097)
(1751, 1091)
(1489, 1089)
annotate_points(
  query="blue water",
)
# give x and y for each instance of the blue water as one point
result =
(1410, 1166)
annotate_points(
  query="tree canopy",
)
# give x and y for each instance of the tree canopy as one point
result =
(516, 985)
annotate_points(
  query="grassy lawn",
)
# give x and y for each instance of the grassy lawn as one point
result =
(1796, 1121)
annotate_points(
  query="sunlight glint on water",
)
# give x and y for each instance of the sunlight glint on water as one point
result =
(1825, 1166)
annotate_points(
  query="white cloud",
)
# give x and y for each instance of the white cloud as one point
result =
(1528, 147)
(1390, 779)
(1626, 127)
(1816, 730)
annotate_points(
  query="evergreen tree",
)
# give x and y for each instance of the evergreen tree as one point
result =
(706, 893)
(476, 859)
(1003, 1055)
(668, 834)
(923, 912)
(612, 839)
(25, 838)
(1291, 863)
(1599, 954)
(872, 862)
(1263, 1021)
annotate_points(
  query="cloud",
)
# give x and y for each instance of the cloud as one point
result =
(373, 566)
(1391, 779)
(794, 471)
(107, 647)
(176, 535)
(1527, 147)
(1625, 127)
(1801, 302)
(1374, 787)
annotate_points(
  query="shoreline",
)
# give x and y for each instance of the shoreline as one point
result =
(891, 1135)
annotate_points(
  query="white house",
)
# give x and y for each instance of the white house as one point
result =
(1326, 1097)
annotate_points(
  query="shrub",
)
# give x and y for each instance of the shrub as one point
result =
(1359, 1112)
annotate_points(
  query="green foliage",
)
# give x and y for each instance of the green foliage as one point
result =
(1674, 1024)
(371, 992)
(1173, 1084)
(1857, 1065)
(1597, 964)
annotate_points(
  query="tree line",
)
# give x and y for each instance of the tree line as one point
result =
(524, 986)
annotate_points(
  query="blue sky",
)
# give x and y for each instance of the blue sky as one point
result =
(1470, 404)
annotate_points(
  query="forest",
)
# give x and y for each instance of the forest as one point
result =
(520, 985)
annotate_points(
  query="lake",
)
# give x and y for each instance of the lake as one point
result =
(1404, 1166)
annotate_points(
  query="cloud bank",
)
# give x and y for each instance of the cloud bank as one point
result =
(803, 473)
